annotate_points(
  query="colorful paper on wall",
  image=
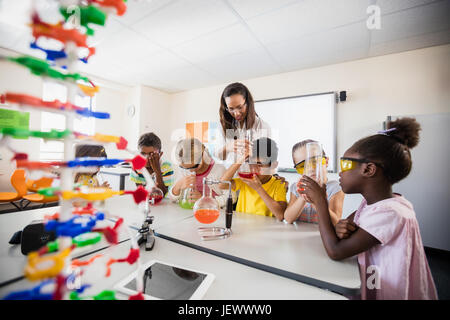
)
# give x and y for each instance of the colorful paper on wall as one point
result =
(198, 130)
(206, 132)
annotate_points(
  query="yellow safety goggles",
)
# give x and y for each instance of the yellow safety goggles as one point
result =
(351, 163)
(300, 167)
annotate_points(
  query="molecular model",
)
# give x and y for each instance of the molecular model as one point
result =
(51, 267)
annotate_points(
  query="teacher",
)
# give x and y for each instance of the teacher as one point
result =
(240, 123)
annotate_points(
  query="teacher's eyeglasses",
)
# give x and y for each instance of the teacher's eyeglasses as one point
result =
(239, 109)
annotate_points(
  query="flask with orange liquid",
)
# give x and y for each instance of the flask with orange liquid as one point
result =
(206, 210)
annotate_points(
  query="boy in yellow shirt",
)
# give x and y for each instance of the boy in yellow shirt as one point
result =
(262, 194)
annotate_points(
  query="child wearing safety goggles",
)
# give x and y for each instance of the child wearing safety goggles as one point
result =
(90, 179)
(196, 163)
(261, 193)
(384, 231)
(300, 210)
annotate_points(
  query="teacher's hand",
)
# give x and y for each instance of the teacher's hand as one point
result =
(237, 145)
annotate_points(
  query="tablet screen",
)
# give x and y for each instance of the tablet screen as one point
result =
(167, 282)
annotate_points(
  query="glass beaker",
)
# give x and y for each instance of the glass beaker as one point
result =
(314, 162)
(246, 170)
(206, 209)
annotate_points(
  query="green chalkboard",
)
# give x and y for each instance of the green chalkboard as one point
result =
(14, 119)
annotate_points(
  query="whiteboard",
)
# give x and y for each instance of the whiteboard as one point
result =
(428, 183)
(299, 118)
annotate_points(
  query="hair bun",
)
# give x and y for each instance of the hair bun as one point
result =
(407, 131)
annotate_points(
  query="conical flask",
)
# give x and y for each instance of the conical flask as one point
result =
(206, 209)
(185, 202)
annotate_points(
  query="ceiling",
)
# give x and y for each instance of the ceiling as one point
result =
(177, 45)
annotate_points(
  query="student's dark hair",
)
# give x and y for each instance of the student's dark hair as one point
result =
(265, 148)
(391, 149)
(90, 150)
(303, 143)
(226, 119)
(149, 139)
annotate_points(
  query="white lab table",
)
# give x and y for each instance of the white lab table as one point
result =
(294, 251)
(164, 213)
(233, 281)
(12, 261)
(263, 254)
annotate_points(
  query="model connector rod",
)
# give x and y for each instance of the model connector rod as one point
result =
(138, 162)
(27, 101)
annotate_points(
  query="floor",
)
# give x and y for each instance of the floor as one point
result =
(439, 262)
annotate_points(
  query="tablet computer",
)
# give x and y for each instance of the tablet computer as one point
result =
(166, 281)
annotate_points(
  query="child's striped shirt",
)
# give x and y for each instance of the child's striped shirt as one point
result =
(166, 171)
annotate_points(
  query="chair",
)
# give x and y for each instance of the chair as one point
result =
(18, 183)
(34, 186)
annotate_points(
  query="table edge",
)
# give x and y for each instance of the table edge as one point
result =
(345, 291)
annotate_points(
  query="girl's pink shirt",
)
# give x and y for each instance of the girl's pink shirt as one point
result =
(399, 260)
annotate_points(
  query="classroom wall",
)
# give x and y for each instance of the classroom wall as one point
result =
(115, 101)
(155, 114)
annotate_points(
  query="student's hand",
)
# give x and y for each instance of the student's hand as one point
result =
(314, 193)
(344, 228)
(300, 188)
(194, 195)
(253, 183)
(187, 182)
(241, 148)
(154, 161)
(283, 180)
